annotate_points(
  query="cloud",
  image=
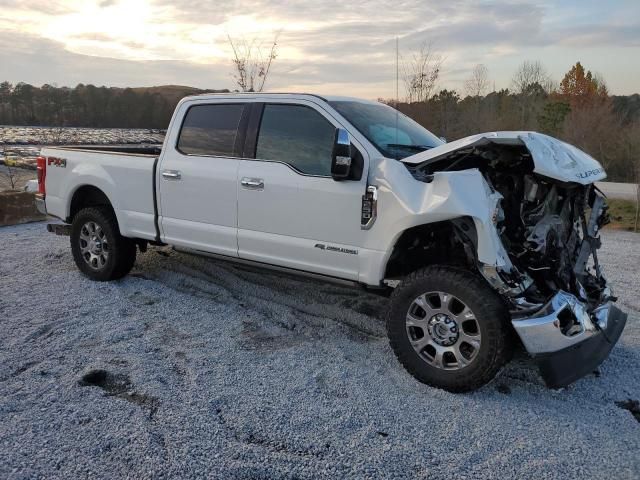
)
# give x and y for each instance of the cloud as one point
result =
(598, 35)
(50, 7)
(40, 61)
(332, 44)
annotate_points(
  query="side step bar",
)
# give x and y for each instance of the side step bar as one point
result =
(261, 265)
(63, 229)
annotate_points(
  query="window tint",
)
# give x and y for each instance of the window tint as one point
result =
(393, 133)
(210, 129)
(296, 135)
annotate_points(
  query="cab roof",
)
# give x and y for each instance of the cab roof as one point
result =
(326, 98)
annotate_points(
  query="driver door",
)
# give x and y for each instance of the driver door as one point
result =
(290, 211)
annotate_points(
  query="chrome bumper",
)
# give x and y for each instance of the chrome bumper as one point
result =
(561, 323)
(567, 341)
(41, 206)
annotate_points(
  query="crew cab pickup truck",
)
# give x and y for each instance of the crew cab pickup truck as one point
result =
(481, 244)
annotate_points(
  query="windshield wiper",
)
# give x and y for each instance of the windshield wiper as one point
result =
(417, 148)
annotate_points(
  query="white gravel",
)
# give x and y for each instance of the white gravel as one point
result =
(218, 371)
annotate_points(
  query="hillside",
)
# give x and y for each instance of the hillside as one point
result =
(91, 106)
(173, 93)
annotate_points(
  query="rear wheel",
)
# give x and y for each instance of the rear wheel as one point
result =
(100, 252)
(448, 328)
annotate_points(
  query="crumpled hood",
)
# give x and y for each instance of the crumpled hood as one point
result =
(552, 157)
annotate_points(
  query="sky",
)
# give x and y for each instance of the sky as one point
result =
(325, 46)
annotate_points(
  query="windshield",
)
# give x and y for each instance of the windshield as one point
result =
(394, 134)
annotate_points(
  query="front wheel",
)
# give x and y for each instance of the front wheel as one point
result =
(448, 328)
(100, 252)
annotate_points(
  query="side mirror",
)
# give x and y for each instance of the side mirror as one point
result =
(341, 156)
(443, 139)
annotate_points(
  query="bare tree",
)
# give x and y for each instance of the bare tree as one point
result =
(531, 82)
(478, 83)
(252, 62)
(9, 176)
(420, 73)
(528, 75)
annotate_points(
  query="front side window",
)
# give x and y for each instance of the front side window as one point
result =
(394, 134)
(296, 135)
(210, 130)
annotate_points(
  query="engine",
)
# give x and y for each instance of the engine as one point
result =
(548, 227)
(545, 230)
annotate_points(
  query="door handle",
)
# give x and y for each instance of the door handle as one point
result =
(172, 174)
(252, 183)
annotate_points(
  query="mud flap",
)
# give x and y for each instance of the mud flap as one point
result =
(559, 369)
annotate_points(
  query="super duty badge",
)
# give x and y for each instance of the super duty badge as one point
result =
(590, 173)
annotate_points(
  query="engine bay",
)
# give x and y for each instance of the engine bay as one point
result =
(548, 227)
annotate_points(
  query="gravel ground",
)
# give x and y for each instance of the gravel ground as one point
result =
(190, 368)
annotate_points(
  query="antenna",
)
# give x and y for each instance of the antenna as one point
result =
(397, 69)
(397, 95)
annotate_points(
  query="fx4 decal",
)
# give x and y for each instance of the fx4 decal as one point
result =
(57, 162)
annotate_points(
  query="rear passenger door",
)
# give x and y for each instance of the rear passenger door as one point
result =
(290, 211)
(197, 178)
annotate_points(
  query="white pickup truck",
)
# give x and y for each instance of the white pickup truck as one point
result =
(481, 243)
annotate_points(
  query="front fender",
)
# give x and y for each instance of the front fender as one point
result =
(405, 202)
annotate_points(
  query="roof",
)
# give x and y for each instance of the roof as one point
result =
(326, 98)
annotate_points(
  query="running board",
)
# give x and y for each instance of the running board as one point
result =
(261, 266)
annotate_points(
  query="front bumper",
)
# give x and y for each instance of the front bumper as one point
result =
(566, 340)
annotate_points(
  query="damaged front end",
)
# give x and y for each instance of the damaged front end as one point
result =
(566, 317)
(548, 220)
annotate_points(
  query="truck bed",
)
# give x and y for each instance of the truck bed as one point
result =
(125, 174)
(144, 150)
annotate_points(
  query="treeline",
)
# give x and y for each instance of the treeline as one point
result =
(90, 106)
(579, 111)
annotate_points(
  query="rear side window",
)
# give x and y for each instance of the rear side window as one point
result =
(296, 135)
(210, 130)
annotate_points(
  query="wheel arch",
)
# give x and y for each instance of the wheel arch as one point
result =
(447, 242)
(88, 196)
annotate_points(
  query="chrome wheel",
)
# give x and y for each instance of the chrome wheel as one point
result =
(443, 330)
(94, 245)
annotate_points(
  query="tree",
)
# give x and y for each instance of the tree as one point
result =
(531, 84)
(580, 87)
(6, 90)
(251, 64)
(551, 120)
(528, 74)
(420, 73)
(9, 174)
(444, 107)
(478, 83)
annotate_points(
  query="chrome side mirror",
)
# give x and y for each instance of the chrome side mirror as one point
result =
(341, 156)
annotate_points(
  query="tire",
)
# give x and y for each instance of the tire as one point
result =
(464, 324)
(100, 252)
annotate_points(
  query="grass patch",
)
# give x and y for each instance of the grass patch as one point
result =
(623, 214)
